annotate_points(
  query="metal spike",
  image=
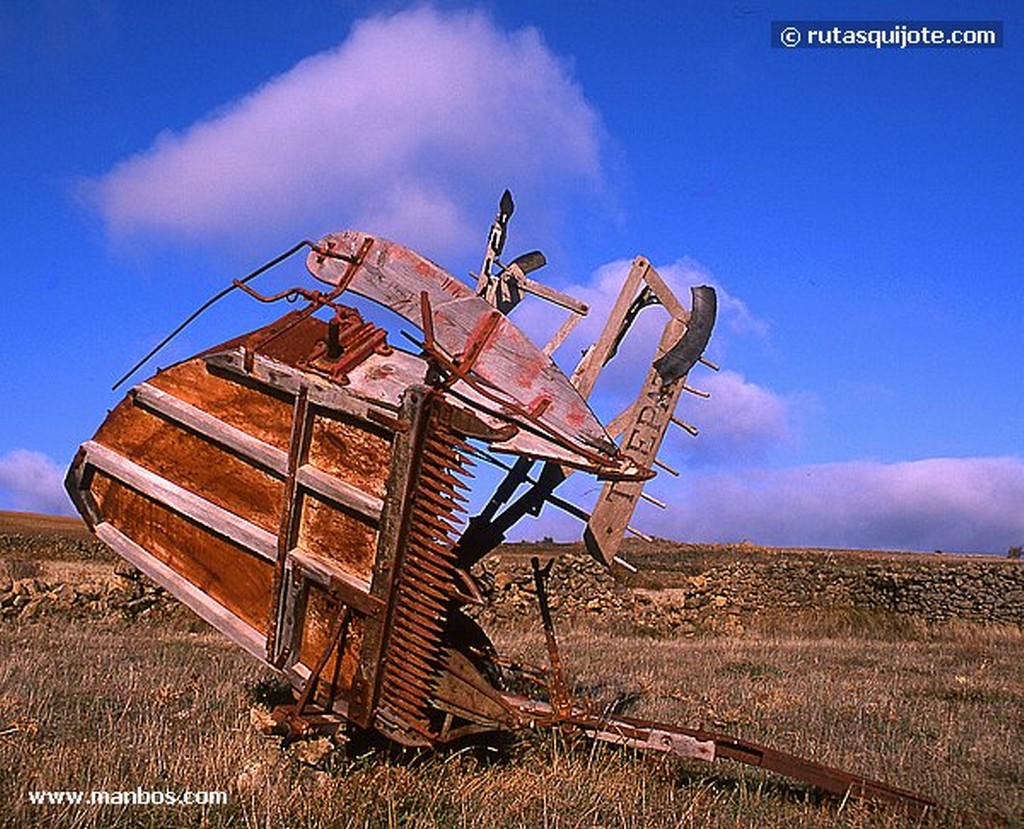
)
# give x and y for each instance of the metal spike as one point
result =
(688, 427)
(447, 506)
(437, 541)
(623, 563)
(430, 643)
(425, 656)
(414, 670)
(440, 443)
(439, 563)
(443, 469)
(427, 585)
(652, 500)
(410, 663)
(448, 437)
(421, 629)
(416, 686)
(454, 483)
(404, 655)
(638, 534)
(427, 621)
(429, 568)
(440, 545)
(431, 521)
(442, 548)
(407, 709)
(407, 682)
(417, 598)
(673, 472)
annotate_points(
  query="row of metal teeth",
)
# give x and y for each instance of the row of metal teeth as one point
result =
(426, 582)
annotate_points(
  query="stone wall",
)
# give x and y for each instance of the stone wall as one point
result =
(679, 590)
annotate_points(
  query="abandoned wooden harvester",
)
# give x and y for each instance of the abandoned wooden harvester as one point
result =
(299, 488)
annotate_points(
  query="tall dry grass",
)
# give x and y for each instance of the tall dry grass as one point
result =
(119, 706)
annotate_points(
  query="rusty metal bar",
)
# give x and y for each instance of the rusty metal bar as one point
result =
(559, 689)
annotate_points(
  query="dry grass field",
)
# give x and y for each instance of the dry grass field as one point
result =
(162, 703)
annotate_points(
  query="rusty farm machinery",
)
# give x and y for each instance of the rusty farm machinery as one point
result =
(300, 488)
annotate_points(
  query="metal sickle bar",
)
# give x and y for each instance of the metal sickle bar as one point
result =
(425, 581)
(702, 745)
(677, 740)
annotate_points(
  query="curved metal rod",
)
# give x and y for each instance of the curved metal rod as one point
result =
(238, 283)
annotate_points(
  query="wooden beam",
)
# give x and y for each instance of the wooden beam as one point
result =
(352, 590)
(182, 501)
(286, 378)
(327, 486)
(643, 431)
(585, 375)
(288, 527)
(200, 603)
(214, 429)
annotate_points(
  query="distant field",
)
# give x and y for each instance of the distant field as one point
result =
(163, 703)
(30, 523)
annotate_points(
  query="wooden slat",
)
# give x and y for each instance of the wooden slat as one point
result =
(643, 431)
(339, 491)
(240, 442)
(397, 278)
(186, 503)
(291, 510)
(182, 589)
(352, 590)
(289, 379)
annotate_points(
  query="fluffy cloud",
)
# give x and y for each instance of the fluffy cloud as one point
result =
(951, 504)
(955, 504)
(31, 482)
(413, 120)
(739, 424)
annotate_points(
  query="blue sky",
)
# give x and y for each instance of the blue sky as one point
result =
(859, 212)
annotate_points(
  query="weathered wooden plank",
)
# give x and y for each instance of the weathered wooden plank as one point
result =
(341, 492)
(643, 431)
(182, 589)
(209, 515)
(291, 509)
(509, 361)
(352, 590)
(292, 613)
(241, 443)
(585, 375)
(286, 378)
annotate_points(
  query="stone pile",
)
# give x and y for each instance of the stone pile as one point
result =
(122, 594)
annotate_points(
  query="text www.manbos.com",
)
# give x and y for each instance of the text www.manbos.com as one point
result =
(136, 797)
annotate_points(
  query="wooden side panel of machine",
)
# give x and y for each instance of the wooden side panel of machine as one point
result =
(254, 505)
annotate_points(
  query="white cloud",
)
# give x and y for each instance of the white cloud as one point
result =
(31, 482)
(954, 504)
(969, 505)
(412, 121)
(739, 424)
